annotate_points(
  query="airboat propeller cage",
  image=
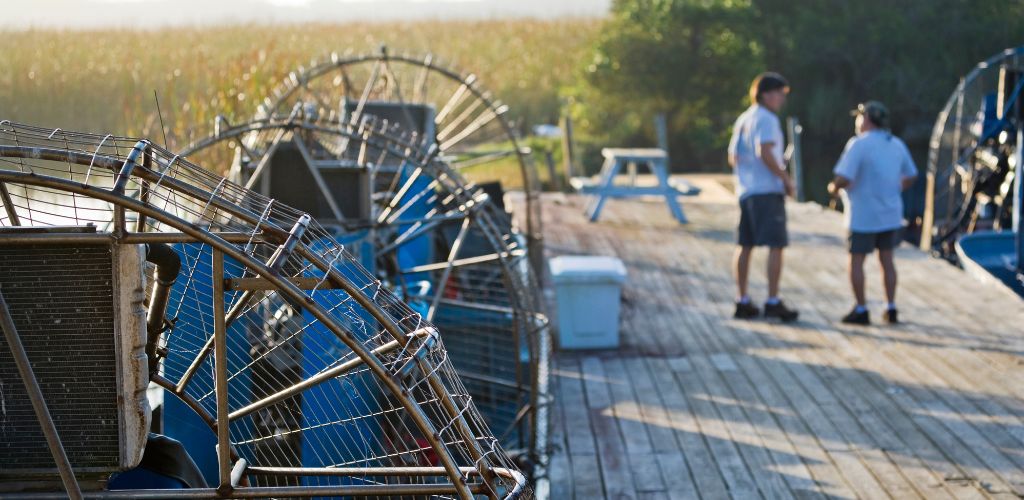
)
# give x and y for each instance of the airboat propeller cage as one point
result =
(448, 108)
(422, 223)
(269, 318)
(969, 155)
(76, 298)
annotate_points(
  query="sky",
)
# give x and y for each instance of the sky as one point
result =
(83, 14)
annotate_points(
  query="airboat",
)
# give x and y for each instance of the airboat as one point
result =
(344, 314)
(134, 282)
(377, 148)
(974, 193)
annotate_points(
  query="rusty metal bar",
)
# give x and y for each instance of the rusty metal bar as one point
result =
(220, 356)
(147, 162)
(15, 238)
(312, 381)
(358, 491)
(35, 395)
(129, 164)
(275, 263)
(320, 378)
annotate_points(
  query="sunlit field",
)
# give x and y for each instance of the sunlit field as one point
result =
(103, 81)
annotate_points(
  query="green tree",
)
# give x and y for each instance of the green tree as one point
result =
(671, 57)
(694, 59)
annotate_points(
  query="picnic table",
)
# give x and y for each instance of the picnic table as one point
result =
(654, 159)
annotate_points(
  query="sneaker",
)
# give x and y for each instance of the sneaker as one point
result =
(746, 310)
(780, 311)
(857, 318)
(891, 317)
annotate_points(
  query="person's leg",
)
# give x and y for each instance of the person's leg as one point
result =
(885, 257)
(741, 264)
(774, 271)
(857, 277)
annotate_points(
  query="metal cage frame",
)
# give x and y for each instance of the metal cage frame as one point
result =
(175, 201)
(470, 106)
(259, 138)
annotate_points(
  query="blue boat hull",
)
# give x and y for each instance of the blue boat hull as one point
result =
(991, 255)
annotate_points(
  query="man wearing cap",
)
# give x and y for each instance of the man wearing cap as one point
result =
(762, 183)
(873, 171)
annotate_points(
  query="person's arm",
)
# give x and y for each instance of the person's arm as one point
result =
(767, 155)
(846, 168)
(839, 182)
(733, 145)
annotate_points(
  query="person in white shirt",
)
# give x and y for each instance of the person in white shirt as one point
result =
(762, 183)
(873, 171)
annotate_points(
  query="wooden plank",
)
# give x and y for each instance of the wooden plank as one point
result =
(762, 417)
(586, 474)
(751, 446)
(633, 425)
(738, 477)
(579, 433)
(611, 450)
(560, 475)
(703, 469)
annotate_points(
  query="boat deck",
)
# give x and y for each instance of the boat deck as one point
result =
(698, 405)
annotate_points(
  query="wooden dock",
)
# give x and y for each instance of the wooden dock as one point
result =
(698, 405)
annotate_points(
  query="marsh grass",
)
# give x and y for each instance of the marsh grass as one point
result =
(103, 81)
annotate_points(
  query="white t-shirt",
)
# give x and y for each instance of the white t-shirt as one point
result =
(876, 163)
(756, 126)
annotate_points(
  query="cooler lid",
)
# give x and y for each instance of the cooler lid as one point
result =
(587, 269)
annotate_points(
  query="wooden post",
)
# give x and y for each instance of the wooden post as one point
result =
(661, 131)
(796, 165)
(556, 180)
(568, 156)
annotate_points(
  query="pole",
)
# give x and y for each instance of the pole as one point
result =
(796, 164)
(661, 132)
(1018, 200)
(568, 158)
(35, 395)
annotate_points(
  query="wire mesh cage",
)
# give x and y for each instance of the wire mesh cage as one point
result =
(435, 239)
(303, 373)
(444, 106)
(970, 150)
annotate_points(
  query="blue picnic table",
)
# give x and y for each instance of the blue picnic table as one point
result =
(654, 159)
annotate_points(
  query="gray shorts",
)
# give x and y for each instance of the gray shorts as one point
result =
(866, 243)
(763, 221)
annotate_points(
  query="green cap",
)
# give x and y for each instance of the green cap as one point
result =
(874, 111)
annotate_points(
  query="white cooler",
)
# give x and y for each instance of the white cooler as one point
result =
(588, 291)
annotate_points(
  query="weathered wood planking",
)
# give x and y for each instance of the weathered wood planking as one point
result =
(696, 404)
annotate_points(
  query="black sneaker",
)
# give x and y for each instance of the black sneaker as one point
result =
(857, 318)
(746, 310)
(891, 317)
(780, 311)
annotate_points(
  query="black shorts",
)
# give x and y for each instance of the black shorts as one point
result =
(866, 243)
(763, 221)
